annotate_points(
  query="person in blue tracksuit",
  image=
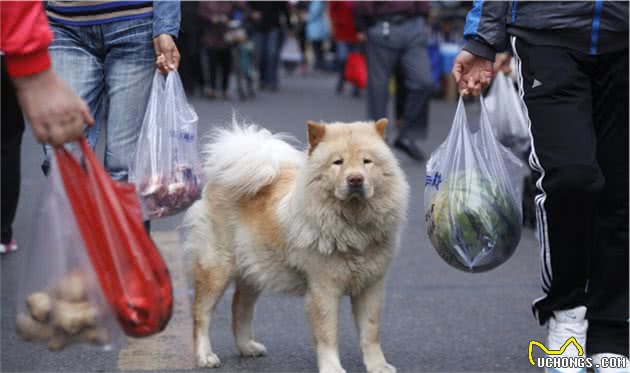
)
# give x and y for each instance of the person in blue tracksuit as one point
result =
(572, 62)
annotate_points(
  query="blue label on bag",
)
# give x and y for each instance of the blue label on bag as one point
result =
(183, 136)
(188, 175)
(433, 180)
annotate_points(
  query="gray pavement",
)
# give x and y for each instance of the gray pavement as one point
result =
(435, 318)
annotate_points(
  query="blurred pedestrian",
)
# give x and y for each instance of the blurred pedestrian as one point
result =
(215, 16)
(189, 45)
(239, 35)
(108, 52)
(395, 34)
(55, 114)
(299, 11)
(572, 62)
(267, 19)
(345, 36)
(317, 31)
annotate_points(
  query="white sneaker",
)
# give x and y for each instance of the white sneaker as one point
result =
(564, 325)
(8, 247)
(614, 363)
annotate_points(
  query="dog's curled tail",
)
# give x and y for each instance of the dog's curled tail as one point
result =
(245, 158)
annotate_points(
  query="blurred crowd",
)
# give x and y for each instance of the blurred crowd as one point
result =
(400, 48)
(253, 41)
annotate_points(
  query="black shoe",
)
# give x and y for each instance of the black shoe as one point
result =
(339, 87)
(46, 167)
(410, 148)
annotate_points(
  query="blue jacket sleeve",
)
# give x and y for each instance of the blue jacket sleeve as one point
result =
(485, 30)
(166, 17)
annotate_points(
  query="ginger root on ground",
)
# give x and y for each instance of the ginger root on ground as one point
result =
(32, 330)
(72, 287)
(98, 336)
(72, 317)
(39, 305)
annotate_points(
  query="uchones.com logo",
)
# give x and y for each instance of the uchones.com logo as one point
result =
(555, 358)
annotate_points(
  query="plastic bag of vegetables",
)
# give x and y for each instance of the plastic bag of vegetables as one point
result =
(473, 192)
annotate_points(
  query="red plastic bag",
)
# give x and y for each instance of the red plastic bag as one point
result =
(129, 268)
(356, 70)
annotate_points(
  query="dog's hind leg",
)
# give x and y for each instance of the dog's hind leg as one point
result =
(210, 283)
(366, 308)
(243, 303)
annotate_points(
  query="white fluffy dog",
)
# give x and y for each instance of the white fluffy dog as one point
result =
(322, 223)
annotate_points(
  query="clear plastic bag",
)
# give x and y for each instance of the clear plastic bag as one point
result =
(291, 51)
(472, 197)
(505, 111)
(60, 301)
(166, 168)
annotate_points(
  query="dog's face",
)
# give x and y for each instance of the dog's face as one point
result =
(349, 160)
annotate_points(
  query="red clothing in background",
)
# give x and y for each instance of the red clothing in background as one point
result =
(24, 37)
(342, 21)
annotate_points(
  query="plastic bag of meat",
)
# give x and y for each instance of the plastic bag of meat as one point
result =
(166, 167)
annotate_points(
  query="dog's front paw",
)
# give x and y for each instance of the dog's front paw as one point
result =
(208, 360)
(332, 369)
(252, 349)
(383, 368)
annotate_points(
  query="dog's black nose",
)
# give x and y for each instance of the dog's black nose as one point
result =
(355, 180)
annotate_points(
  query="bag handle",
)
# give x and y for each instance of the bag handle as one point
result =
(484, 120)
(462, 123)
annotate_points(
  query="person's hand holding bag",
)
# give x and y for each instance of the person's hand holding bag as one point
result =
(167, 53)
(472, 73)
(502, 63)
(55, 113)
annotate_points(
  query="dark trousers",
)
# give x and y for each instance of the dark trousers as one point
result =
(401, 45)
(578, 108)
(318, 53)
(219, 59)
(267, 44)
(190, 64)
(401, 93)
(12, 124)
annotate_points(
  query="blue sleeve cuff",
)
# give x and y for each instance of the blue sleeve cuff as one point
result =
(166, 18)
(165, 28)
(479, 48)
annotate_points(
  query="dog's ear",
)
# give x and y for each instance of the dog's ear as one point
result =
(380, 126)
(316, 132)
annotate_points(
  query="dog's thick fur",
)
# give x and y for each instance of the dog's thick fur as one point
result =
(321, 223)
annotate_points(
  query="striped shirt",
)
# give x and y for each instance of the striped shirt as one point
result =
(84, 13)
